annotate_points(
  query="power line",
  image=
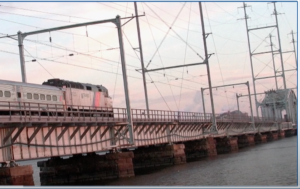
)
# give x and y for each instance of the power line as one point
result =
(37, 17)
(45, 12)
(187, 36)
(170, 28)
(216, 52)
(40, 64)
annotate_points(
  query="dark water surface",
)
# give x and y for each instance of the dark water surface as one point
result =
(269, 164)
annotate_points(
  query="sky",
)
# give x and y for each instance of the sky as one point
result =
(171, 35)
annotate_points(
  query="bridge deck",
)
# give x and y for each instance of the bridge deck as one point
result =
(28, 130)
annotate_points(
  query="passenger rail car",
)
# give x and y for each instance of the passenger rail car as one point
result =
(17, 96)
(55, 97)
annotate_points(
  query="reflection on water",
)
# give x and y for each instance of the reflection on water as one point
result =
(270, 164)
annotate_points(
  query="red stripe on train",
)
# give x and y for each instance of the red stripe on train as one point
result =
(97, 99)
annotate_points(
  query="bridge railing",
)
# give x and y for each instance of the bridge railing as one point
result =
(29, 109)
(59, 111)
(245, 118)
(168, 116)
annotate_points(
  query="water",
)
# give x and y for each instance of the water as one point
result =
(269, 164)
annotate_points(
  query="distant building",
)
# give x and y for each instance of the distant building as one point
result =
(236, 114)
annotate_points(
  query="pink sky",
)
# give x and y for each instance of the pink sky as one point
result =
(177, 89)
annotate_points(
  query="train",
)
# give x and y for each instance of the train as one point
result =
(55, 97)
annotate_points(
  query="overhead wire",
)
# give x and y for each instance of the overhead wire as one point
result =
(44, 12)
(219, 53)
(187, 36)
(160, 92)
(40, 64)
(262, 40)
(95, 57)
(164, 35)
(224, 10)
(163, 41)
(37, 17)
(170, 28)
(216, 52)
(116, 78)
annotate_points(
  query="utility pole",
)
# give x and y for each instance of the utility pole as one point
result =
(203, 102)
(249, 96)
(142, 58)
(237, 102)
(22, 59)
(251, 54)
(271, 44)
(117, 22)
(279, 43)
(204, 35)
(293, 41)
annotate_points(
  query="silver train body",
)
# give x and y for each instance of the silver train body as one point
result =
(54, 94)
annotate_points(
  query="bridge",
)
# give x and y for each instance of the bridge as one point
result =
(28, 131)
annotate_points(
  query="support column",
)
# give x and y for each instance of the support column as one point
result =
(195, 150)
(178, 153)
(123, 162)
(155, 157)
(272, 136)
(290, 132)
(246, 140)
(260, 138)
(19, 175)
(275, 135)
(211, 146)
(226, 145)
(281, 134)
(84, 169)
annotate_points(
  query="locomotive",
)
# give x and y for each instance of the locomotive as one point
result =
(55, 96)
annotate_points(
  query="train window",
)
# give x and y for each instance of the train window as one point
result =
(48, 97)
(36, 96)
(29, 96)
(1, 94)
(42, 97)
(88, 88)
(19, 94)
(54, 98)
(7, 93)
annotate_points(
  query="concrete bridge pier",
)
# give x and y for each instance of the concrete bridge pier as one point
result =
(260, 138)
(272, 136)
(227, 144)
(246, 140)
(197, 149)
(281, 134)
(290, 132)
(17, 175)
(154, 157)
(86, 168)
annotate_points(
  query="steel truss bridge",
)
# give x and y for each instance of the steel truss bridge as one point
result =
(32, 130)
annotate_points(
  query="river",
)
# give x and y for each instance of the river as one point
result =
(270, 164)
